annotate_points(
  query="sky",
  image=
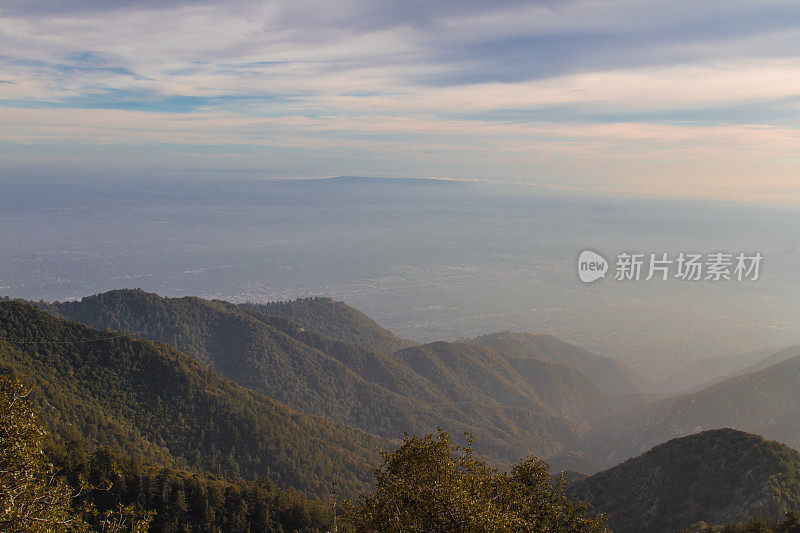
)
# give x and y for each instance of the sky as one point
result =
(673, 98)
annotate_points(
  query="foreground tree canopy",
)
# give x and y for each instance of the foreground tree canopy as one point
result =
(29, 499)
(75, 487)
(32, 498)
(428, 484)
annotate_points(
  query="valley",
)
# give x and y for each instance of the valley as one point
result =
(308, 392)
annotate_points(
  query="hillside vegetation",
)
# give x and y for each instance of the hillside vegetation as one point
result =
(716, 476)
(195, 409)
(153, 402)
(333, 319)
(612, 376)
(429, 485)
(516, 406)
(74, 489)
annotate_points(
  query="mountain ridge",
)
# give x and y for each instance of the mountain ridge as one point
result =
(384, 394)
(613, 376)
(149, 399)
(716, 476)
(766, 402)
(333, 318)
(700, 374)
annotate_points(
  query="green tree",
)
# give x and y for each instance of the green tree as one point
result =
(428, 484)
(791, 524)
(32, 498)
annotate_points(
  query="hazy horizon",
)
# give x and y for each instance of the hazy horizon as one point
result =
(655, 98)
(428, 259)
(143, 142)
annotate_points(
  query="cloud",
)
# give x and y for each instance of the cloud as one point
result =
(507, 89)
(140, 101)
(50, 8)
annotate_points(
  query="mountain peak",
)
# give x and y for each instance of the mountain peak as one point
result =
(333, 318)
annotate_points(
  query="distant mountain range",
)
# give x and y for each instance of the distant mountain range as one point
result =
(777, 356)
(766, 402)
(716, 477)
(306, 392)
(519, 393)
(320, 356)
(699, 374)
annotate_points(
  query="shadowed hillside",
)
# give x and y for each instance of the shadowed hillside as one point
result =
(530, 406)
(716, 476)
(153, 402)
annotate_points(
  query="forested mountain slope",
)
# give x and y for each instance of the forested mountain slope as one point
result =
(254, 354)
(152, 401)
(532, 406)
(612, 376)
(333, 319)
(716, 476)
(481, 375)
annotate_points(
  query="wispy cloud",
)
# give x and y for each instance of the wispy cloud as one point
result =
(656, 97)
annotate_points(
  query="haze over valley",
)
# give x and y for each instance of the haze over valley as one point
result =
(309, 390)
(429, 259)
